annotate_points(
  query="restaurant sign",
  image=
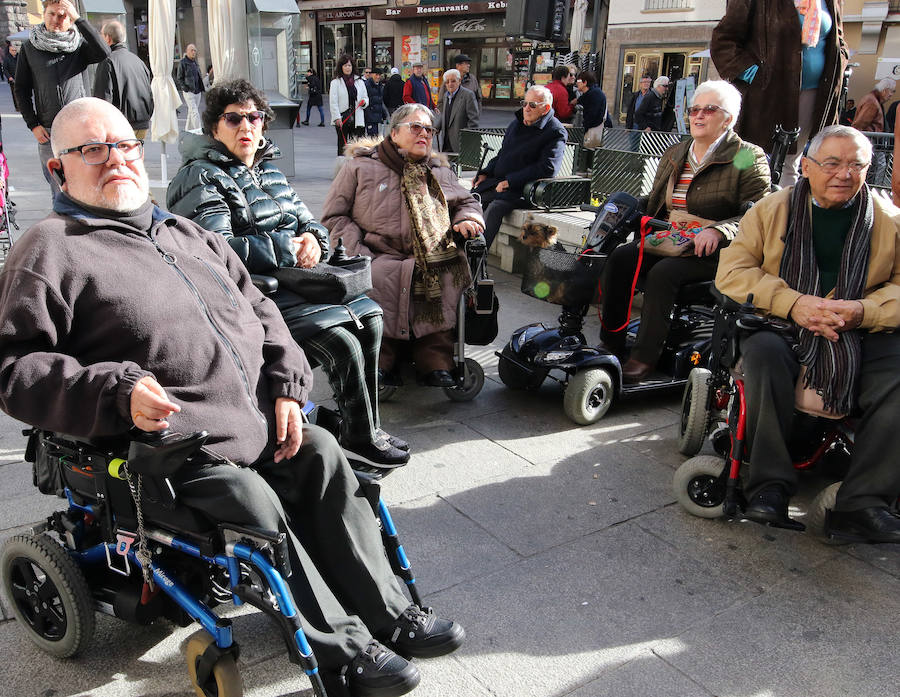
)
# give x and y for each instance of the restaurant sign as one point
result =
(446, 8)
(340, 15)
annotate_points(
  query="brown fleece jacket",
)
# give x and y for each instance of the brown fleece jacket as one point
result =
(90, 305)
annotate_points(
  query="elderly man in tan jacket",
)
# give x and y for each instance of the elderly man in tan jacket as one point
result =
(826, 255)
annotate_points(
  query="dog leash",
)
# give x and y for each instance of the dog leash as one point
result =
(644, 230)
(352, 112)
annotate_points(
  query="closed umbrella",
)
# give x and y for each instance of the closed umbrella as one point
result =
(576, 37)
(164, 124)
(228, 39)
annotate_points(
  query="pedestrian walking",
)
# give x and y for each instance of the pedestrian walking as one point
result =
(393, 91)
(457, 109)
(347, 99)
(9, 69)
(190, 82)
(314, 96)
(123, 80)
(376, 113)
(464, 65)
(796, 56)
(417, 90)
(49, 71)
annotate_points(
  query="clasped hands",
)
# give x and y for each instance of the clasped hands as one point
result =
(151, 407)
(826, 317)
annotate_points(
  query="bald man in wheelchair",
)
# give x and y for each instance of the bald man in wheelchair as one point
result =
(824, 254)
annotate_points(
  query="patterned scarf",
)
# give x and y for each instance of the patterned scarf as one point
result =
(54, 42)
(434, 250)
(832, 368)
(812, 22)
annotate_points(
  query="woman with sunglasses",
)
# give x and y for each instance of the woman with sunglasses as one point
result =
(711, 176)
(228, 183)
(398, 202)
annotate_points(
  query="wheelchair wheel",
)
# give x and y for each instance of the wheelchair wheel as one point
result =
(473, 384)
(694, 413)
(698, 486)
(49, 594)
(224, 680)
(511, 375)
(588, 396)
(815, 516)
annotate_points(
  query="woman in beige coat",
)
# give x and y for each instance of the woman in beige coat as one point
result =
(399, 203)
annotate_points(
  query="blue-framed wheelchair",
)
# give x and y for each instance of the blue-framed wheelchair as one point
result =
(154, 559)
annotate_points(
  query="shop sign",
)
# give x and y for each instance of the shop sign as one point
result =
(490, 25)
(339, 15)
(433, 32)
(447, 8)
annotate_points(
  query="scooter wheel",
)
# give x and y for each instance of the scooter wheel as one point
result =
(694, 412)
(588, 396)
(821, 504)
(698, 486)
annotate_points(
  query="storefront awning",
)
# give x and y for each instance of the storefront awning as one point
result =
(282, 6)
(110, 7)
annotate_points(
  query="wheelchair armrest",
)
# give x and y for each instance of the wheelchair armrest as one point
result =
(161, 454)
(266, 284)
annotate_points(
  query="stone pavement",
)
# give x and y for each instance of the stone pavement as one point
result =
(561, 549)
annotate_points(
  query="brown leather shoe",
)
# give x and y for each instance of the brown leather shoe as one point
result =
(635, 371)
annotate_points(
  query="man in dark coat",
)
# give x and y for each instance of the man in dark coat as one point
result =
(457, 109)
(313, 97)
(190, 82)
(533, 148)
(376, 112)
(648, 116)
(9, 69)
(90, 348)
(636, 98)
(464, 65)
(767, 34)
(49, 71)
(393, 91)
(123, 80)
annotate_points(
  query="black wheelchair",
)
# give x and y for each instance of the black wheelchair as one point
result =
(125, 547)
(714, 406)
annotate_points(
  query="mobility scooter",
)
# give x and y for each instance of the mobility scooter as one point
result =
(592, 375)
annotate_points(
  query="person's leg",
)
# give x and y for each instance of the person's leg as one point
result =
(770, 372)
(661, 287)
(308, 109)
(336, 525)
(433, 352)
(239, 495)
(370, 337)
(45, 152)
(615, 293)
(342, 358)
(790, 173)
(494, 214)
(874, 477)
(321, 116)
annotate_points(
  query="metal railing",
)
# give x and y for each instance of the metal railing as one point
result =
(882, 166)
(471, 139)
(627, 160)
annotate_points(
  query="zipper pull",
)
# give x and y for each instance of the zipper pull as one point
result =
(359, 325)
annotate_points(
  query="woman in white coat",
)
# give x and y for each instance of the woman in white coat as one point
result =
(347, 97)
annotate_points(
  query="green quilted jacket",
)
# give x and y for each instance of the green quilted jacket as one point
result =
(736, 172)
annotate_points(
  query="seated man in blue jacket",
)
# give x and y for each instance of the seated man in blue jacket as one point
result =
(532, 148)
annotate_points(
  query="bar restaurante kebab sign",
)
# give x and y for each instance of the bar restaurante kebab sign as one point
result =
(449, 8)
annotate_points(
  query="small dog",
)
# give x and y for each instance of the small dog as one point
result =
(539, 235)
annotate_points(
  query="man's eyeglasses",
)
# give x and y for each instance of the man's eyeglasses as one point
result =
(833, 166)
(417, 128)
(533, 105)
(708, 109)
(234, 118)
(98, 153)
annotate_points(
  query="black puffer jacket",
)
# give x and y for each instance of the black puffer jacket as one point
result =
(254, 207)
(259, 213)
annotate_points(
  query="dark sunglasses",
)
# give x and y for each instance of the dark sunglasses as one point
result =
(533, 105)
(417, 128)
(709, 109)
(234, 118)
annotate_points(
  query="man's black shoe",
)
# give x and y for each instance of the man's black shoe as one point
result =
(770, 507)
(322, 125)
(389, 378)
(398, 443)
(438, 378)
(376, 671)
(378, 454)
(305, 123)
(422, 634)
(876, 524)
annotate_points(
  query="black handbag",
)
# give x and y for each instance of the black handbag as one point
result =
(335, 283)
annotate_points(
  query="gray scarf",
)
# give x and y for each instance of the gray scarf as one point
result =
(54, 42)
(832, 368)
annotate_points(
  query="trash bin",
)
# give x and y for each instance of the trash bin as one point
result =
(280, 129)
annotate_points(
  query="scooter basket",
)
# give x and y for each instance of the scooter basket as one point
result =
(561, 277)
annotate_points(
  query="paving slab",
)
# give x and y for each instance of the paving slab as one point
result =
(646, 674)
